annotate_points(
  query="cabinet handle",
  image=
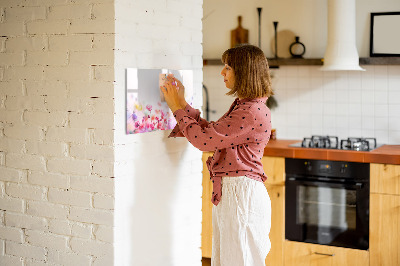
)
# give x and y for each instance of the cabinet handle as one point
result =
(325, 254)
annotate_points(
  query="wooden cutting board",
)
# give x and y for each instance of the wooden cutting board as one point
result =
(285, 39)
(239, 35)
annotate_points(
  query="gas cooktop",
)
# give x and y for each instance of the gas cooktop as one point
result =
(332, 142)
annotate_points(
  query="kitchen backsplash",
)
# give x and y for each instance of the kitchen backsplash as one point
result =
(314, 102)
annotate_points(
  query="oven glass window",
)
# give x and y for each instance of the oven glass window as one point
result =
(326, 207)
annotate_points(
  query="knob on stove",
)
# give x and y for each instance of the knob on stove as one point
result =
(343, 168)
(308, 166)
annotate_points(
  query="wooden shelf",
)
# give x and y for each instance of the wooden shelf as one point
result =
(274, 63)
(380, 61)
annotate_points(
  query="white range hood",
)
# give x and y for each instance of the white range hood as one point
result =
(341, 51)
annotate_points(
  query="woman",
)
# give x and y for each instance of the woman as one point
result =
(242, 208)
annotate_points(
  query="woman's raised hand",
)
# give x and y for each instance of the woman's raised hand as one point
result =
(181, 91)
(172, 95)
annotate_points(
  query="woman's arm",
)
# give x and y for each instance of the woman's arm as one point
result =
(194, 113)
(235, 129)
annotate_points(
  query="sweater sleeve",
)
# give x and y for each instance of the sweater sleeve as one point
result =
(193, 113)
(229, 131)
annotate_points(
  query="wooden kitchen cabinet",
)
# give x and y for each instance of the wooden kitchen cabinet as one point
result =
(384, 236)
(206, 225)
(277, 233)
(274, 168)
(385, 178)
(305, 254)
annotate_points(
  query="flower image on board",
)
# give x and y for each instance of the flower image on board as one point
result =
(146, 110)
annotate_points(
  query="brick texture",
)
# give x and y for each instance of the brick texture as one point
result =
(95, 216)
(90, 247)
(24, 221)
(25, 250)
(69, 197)
(68, 258)
(48, 240)
(46, 209)
(11, 233)
(48, 58)
(62, 121)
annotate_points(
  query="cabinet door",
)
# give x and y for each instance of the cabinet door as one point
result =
(305, 254)
(385, 178)
(206, 232)
(384, 229)
(274, 168)
(277, 233)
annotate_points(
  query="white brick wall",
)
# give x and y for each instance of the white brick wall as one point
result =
(25, 221)
(46, 210)
(68, 258)
(56, 132)
(62, 138)
(25, 251)
(46, 240)
(11, 233)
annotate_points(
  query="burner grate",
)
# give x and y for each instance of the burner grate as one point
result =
(332, 142)
(358, 144)
(327, 142)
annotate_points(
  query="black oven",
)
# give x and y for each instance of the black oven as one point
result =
(327, 202)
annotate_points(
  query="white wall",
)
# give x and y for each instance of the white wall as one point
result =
(313, 102)
(158, 180)
(344, 103)
(56, 132)
(305, 18)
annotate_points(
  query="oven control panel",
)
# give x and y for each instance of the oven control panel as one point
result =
(336, 169)
(325, 167)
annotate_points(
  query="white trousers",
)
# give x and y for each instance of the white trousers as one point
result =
(241, 223)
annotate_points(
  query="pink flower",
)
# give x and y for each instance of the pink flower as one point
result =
(149, 107)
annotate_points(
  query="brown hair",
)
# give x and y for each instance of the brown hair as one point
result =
(250, 66)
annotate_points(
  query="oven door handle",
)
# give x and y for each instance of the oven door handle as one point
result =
(324, 254)
(357, 185)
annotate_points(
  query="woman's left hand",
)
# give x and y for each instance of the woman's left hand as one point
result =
(171, 95)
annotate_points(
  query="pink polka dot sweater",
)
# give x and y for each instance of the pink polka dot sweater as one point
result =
(238, 139)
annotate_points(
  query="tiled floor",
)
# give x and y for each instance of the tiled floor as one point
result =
(206, 261)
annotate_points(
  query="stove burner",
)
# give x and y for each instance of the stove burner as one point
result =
(358, 144)
(332, 142)
(328, 142)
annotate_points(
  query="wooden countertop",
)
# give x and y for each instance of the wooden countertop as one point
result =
(389, 154)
